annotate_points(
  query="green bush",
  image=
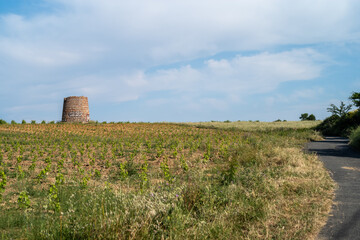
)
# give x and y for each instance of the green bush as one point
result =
(328, 126)
(307, 117)
(311, 117)
(342, 122)
(2, 121)
(340, 126)
(355, 138)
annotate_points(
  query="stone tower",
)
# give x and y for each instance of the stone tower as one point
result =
(76, 109)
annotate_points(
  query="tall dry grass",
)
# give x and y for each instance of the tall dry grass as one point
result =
(257, 126)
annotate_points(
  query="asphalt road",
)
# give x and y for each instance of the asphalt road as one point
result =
(344, 166)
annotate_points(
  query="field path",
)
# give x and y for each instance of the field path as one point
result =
(344, 165)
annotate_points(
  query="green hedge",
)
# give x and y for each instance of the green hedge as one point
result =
(355, 138)
(340, 126)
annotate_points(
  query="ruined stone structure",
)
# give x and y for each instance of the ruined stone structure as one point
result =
(76, 109)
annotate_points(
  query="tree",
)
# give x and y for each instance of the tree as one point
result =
(355, 98)
(304, 116)
(311, 117)
(307, 117)
(340, 111)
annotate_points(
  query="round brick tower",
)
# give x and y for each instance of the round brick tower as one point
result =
(76, 109)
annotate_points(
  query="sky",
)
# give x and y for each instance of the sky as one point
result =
(178, 60)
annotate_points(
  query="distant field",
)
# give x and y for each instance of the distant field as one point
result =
(161, 181)
(258, 126)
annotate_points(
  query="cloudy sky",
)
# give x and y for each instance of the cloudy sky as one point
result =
(178, 60)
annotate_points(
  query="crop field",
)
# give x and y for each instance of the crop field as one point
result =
(160, 181)
(257, 126)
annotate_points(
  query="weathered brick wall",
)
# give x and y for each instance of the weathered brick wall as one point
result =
(76, 109)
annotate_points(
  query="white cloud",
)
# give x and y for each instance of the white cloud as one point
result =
(106, 49)
(214, 85)
(295, 96)
(35, 55)
(36, 107)
(214, 103)
(232, 79)
(242, 74)
(144, 33)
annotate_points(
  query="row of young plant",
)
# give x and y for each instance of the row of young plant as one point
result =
(158, 181)
(93, 155)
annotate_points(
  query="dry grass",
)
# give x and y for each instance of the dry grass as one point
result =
(258, 126)
(243, 184)
(304, 174)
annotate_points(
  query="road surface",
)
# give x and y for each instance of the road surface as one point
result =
(344, 166)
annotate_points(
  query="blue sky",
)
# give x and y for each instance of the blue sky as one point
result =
(179, 60)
